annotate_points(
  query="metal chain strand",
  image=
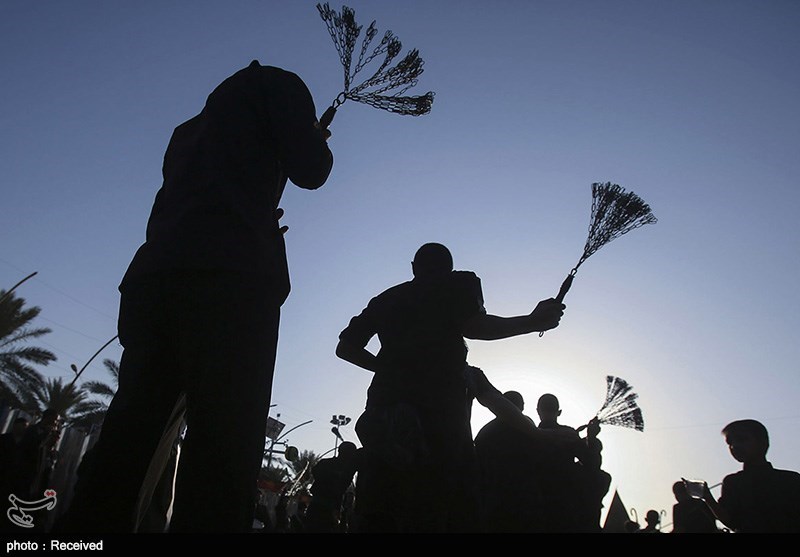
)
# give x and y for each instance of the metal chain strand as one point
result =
(389, 45)
(385, 88)
(344, 31)
(410, 106)
(620, 407)
(615, 212)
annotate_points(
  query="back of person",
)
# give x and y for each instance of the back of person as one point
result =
(332, 478)
(224, 172)
(767, 500)
(510, 490)
(421, 339)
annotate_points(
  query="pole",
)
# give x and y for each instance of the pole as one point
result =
(7, 294)
(272, 444)
(74, 367)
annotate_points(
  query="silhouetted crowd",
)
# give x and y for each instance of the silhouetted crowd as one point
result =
(199, 318)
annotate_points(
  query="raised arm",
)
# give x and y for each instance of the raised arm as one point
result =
(544, 317)
(305, 155)
(488, 396)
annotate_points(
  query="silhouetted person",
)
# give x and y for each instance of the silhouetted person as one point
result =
(415, 429)
(332, 478)
(652, 520)
(200, 307)
(346, 520)
(283, 523)
(297, 521)
(14, 474)
(14, 437)
(11, 467)
(523, 498)
(38, 452)
(573, 485)
(760, 498)
(594, 482)
(32, 457)
(510, 492)
(690, 515)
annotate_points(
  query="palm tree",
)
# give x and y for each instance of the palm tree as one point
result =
(18, 378)
(275, 474)
(68, 400)
(303, 467)
(305, 461)
(95, 415)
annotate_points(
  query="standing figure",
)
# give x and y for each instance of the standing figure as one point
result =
(415, 430)
(573, 484)
(38, 449)
(200, 307)
(690, 515)
(332, 478)
(653, 523)
(12, 470)
(758, 499)
(511, 500)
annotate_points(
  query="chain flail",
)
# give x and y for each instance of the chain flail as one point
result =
(385, 88)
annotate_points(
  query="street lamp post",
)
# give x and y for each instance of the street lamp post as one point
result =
(10, 290)
(89, 361)
(275, 439)
(338, 421)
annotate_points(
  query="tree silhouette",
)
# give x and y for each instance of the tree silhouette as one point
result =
(302, 467)
(68, 400)
(18, 378)
(95, 409)
(273, 473)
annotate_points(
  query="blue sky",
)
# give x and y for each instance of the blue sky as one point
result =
(692, 105)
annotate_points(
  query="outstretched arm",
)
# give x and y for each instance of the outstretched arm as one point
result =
(487, 395)
(544, 317)
(505, 410)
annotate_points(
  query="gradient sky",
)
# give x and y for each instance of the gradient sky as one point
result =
(692, 105)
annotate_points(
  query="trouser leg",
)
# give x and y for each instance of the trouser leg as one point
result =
(111, 475)
(228, 351)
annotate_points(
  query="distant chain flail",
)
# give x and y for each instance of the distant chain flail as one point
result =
(621, 407)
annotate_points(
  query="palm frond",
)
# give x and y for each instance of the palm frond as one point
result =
(98, 388)
(113, 370)
(30, 354)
